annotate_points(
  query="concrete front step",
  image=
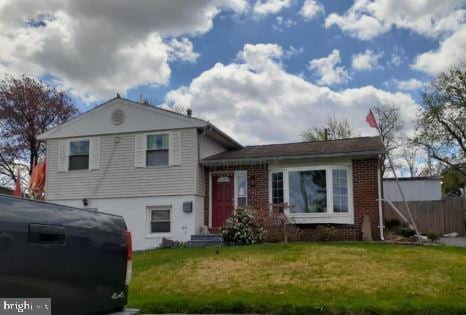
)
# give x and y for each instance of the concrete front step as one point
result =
(203, 244)
(205, 240)
(206, 237)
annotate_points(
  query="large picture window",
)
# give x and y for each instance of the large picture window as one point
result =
(308, 191)
(157, 150)
(79, 155)
(159, 220)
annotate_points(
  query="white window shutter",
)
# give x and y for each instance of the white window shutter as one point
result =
(94, 153)
(62, 163)
(174, 152)
(139, 150)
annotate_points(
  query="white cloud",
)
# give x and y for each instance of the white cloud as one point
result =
(182, 49)
(265, 7)
(408, 85)
(282, 23)
(367, 60)
(450, 53)
(293, 51)
(96, 48)
(311, 9)
(398, 56)
(256, 101)
(366, 19)
(328, 71)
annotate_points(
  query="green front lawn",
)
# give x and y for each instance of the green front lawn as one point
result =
(300, 279)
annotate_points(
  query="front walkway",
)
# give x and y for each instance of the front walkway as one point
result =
(454, 241)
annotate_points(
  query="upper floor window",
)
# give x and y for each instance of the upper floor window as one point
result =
(79, 155)
(157, 150)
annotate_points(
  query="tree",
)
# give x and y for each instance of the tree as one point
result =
(332, 130)
(410, 155)
(453, 182)
(390, 124)
(442, 127)
(28, 107)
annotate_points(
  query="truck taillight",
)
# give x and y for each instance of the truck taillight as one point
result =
(129, 263)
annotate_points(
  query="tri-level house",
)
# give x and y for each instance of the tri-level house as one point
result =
(172, 175)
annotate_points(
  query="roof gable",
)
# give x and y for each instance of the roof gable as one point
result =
(137, 117)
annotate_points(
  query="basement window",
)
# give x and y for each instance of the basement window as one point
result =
(160, 219)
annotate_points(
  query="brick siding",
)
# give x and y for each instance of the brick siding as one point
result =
(365, 196)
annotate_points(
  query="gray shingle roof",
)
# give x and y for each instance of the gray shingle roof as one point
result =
(362, 146)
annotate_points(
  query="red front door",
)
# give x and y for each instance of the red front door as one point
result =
(222, 199)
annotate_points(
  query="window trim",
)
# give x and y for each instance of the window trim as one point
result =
(318, 217)
(149, 219)
(146, 135)
(68, 154)
(236, 182)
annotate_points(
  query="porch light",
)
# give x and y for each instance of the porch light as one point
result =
(252, 181)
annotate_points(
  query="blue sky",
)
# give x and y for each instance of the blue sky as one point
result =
(230, 33)
(261, 70)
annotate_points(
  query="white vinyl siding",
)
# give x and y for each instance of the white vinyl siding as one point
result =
(120, 177)
(94, 154)
(207, 147)
(174, 152)
(61, 156)
(139, 150)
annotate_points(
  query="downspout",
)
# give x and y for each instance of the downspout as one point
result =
(379, 188)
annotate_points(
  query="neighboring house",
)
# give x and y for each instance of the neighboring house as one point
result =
(169, 174)
(414, 188)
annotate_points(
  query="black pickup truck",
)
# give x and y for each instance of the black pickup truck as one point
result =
(80, 259)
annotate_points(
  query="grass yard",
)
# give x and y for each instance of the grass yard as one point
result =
(301, 279)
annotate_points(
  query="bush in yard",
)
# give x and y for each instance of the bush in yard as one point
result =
(408, 232)
(277, 227)
(241, 228)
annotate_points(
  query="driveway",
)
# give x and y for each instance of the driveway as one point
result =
(454, 241)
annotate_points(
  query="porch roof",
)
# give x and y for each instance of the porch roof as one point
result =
(351, 147)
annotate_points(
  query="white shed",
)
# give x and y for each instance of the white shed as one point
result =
(414, 188)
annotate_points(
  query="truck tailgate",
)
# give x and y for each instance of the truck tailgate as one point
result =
(76, 257)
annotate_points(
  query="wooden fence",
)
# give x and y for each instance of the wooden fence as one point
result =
(441, 216)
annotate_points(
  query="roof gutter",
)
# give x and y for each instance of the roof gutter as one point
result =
(291, 157)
